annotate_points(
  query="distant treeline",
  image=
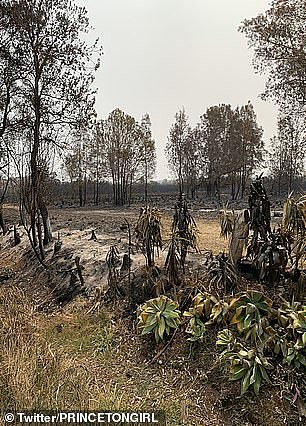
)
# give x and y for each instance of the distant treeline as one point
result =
(67, 193)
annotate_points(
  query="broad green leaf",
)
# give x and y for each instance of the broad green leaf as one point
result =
(245, 383)
(237, 373)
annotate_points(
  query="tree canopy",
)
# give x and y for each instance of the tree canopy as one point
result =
(278, 39)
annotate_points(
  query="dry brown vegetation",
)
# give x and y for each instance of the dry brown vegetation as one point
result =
(77, 357)
(71, 359)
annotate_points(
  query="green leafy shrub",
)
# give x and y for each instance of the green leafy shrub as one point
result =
(196, 328)
(296, 348)
(252, 310)
(247, 365)
(295, 355)
(262, 331)
(159, 316)
(199, 313)
(225, 340)
(250, 367)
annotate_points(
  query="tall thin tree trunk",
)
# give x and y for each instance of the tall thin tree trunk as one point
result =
(80, 192)
(97, 192)
(2, 221)
(146, 183)
(34, 156)
(85, 191)
(46, 222)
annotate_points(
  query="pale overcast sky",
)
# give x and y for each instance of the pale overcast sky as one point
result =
(161, 55)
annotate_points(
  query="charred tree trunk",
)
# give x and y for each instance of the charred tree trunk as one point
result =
(146, 184)
(34, 155)
(17, 238)
(46, 223)
(80, 192)
(2, 220)
(97, 192)
(85, 191)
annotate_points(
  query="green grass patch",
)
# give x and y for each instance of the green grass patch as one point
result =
(84, 335)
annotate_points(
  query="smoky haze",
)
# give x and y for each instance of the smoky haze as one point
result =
(162, 55)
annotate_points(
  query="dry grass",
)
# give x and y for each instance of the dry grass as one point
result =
(78, 361)
(33, 372)
(208, 233)
(41, 359)
(72, 360)
(75, 360)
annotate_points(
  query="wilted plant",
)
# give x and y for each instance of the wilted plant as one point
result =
(159, 316)
(272, 256)
(300, 285)
(299, 251)
(276, 340)
(184, 225)
(222, 273)
(294, 214)
(268, 250)
(297, 324)
(113, 262)
(112, 257)
(291, 315)
(294, 221)
(220, 313)
(226, 223)
(184, 236)
(260, 214)
(259, 218)
(173, 263)
(148, 233)
(204, 303)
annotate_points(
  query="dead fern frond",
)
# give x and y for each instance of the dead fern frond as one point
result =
(148, 233)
